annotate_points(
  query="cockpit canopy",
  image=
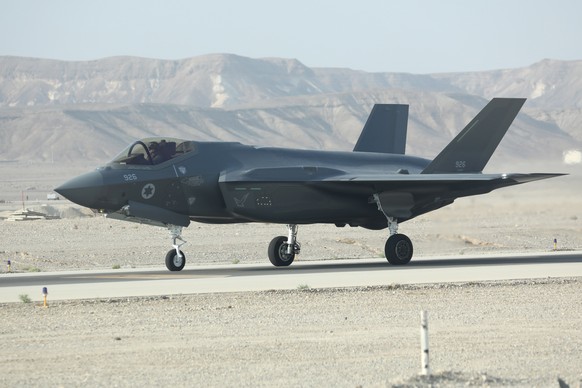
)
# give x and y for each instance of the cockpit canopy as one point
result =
(154, 150)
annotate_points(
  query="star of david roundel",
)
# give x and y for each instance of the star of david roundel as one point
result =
(148, 191)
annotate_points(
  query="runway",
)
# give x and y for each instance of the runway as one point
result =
(259, 277)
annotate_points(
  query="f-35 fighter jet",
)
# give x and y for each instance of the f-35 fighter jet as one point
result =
(171, 182)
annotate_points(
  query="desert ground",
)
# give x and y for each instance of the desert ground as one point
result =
(488, 334)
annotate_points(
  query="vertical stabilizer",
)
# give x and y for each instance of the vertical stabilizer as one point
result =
(470, 151)
(385, 130)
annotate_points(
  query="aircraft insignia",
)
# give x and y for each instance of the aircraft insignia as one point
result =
(240, 202)
(148, 191)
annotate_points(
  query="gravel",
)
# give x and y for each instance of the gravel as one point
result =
(488, 334)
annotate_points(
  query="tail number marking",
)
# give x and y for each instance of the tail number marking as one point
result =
(129, 177)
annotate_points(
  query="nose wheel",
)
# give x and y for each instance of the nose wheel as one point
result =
(175, 259)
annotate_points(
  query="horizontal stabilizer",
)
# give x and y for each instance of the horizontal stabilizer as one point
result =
(385, 130)
(470, 151)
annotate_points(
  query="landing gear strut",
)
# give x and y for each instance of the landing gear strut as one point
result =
(398, 248)
(282, 250)
(175, 259)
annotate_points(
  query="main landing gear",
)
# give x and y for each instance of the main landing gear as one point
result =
(282, 250)
(398, 248)
(175, 259)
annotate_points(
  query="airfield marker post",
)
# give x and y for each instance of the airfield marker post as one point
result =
(45, 294)
(425, 369)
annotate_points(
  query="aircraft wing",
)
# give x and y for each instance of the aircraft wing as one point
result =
(414, 181)
(407, 196)
(403, 196)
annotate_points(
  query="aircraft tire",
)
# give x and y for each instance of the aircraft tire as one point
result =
(277, 252)
(174, 262)
(398, 249)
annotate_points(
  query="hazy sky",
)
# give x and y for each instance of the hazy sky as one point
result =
(416, 36)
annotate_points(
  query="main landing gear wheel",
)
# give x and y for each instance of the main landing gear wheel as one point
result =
(278, 255)
(175, 262)
(398, 249)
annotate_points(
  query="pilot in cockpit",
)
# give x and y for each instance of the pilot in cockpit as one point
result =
(161, 151)
(153, 147)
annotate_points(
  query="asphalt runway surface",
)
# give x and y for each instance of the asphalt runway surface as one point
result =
(260, 277)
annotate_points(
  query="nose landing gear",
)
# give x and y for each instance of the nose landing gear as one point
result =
(175, 259)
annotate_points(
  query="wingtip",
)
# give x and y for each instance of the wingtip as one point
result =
(522, 178)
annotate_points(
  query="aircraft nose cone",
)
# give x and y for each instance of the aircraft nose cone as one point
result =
(84, 190)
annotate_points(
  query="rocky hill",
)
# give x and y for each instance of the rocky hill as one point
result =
(65, 111)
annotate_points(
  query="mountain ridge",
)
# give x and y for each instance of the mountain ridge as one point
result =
(63, 111)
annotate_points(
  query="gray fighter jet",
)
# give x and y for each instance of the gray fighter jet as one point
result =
(171, 182)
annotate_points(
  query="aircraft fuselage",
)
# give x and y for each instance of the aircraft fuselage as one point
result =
(229, 182)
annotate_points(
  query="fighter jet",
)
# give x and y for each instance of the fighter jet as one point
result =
(171, 182)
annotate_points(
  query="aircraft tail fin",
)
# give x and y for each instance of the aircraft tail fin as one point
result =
(385, 130)
(472, 148)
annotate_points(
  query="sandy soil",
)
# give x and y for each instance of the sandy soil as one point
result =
(504, 334)
(498, 334)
